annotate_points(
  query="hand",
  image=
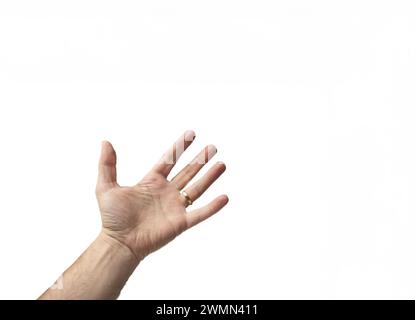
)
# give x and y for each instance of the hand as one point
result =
(146, 216)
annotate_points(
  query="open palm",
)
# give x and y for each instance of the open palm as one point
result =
(150, 214)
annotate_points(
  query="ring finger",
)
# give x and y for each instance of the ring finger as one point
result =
(199, 187)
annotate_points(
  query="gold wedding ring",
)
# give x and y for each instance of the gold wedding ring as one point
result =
(187, 198)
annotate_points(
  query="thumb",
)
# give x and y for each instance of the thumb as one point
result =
(107, 172)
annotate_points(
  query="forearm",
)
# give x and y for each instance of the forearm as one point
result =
(99, 273)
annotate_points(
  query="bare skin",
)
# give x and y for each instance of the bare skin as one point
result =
(138, 220)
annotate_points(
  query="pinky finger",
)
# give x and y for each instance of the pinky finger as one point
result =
(198, 215)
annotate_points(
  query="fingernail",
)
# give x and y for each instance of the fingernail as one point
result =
(220, 163)
(189, 135)
(211, 149)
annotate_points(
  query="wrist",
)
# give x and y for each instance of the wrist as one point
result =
(99, 273)
(109, 263)
(112, 244)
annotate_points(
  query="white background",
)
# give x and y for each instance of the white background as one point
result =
(310, 103)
